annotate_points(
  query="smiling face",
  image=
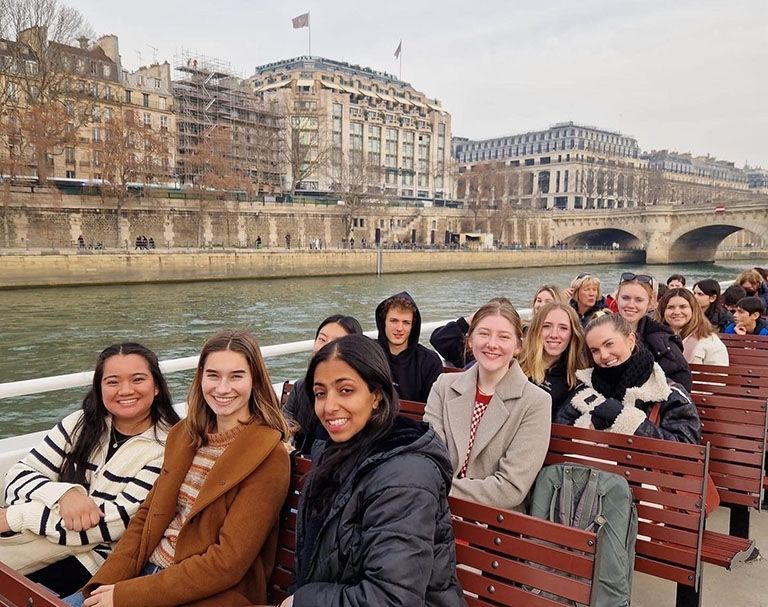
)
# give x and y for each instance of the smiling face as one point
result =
(633, 302)
(678, 313)
(543, 297)
(330, 332)
(227, 384)
(127, 391)
(343, 401)
(556, 333)
(608, 346)
(494, 343)
(703, 299)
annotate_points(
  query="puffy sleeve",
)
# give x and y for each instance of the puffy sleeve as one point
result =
(678, 420)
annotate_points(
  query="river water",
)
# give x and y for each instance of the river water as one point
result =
(52, 331)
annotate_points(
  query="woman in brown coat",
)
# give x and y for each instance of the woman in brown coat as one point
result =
(206, 534)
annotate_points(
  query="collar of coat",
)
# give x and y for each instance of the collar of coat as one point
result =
(246, 453)
(654, 390)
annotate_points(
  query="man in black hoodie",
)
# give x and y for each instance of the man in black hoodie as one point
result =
(414, 367)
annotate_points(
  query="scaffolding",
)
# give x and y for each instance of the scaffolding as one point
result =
(208, 95)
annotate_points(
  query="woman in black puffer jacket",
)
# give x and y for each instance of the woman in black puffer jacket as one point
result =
(625, 385)
(373, 522)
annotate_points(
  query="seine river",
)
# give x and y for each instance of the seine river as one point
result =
(61, 330)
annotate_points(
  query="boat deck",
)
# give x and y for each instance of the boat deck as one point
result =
(744, 586)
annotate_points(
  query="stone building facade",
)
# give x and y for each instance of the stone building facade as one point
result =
(354, 129)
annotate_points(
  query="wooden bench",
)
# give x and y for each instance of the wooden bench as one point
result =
(504, 558)
(733, 406)
(667, 480)
(18, 591)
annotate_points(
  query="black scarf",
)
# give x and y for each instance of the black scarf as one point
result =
(612, 382)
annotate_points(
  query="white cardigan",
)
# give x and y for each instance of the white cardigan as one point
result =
(710, 351)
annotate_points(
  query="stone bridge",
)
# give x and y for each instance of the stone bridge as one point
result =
(669, 234)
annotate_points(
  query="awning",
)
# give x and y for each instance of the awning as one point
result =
(305, 82)
(370, 94)
(350, 89)
(386, 97)
(272, 87)
(437, 108)
(418, 103)
(331, 85)
(402, 100)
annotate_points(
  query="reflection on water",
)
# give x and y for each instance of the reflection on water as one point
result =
(62, 330)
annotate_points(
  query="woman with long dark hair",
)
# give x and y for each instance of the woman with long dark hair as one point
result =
(373, 523)
(71, 498)
(707, 294)
(207, 533)
(309, 435)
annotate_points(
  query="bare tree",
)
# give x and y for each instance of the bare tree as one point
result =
(357, 185)
(305, 147)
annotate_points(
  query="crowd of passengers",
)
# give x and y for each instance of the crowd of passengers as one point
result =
(122, 503)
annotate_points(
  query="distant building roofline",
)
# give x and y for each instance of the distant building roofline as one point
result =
(342, 65)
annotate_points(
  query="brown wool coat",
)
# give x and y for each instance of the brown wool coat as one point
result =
(226, 549)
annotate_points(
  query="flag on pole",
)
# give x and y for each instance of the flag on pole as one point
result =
(300, 21)
(398, 49)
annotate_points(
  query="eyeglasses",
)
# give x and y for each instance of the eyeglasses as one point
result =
(641, 278)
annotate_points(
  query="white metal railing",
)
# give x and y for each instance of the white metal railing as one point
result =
(76, 380)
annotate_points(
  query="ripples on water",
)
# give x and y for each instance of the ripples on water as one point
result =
(62, 330)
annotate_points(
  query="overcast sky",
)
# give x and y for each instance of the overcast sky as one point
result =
(686, 75)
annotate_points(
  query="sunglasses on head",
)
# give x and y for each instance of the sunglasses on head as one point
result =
(641, 278)
(583, 275)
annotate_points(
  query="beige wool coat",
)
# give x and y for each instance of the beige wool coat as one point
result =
(511, 441)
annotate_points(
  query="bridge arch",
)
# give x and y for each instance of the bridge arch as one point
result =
(603, 237)
(701, 243)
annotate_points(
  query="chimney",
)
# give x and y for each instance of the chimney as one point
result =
(83, 40)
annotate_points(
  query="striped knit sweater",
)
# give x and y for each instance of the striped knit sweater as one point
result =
(206, 456)
(32, 488)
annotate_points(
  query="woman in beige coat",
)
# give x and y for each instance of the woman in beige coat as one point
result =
(494, 422)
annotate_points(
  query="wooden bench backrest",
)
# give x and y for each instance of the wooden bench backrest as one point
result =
(18, 591)
(498, 550)
(667, 480)
(507, 558)
(758, 342)
(412, 409)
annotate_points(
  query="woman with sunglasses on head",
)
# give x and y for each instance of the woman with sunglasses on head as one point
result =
(635, 298)
(310, 436)
(707, 294)
(679, 310)
(626, 391)
(553, 350)
(586, 298)
(72, 497)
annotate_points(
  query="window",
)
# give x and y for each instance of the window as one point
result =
(164, 122)
(158, 84)
(105, 70)
(69, 155)
(107, 92)
(128, 96)
(147, 119)
(162, 101)
(96, 132)
(70, 174)
(145, 99)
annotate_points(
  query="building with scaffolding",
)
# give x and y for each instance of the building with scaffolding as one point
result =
(212, 105)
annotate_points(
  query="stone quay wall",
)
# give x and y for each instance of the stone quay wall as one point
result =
(25, 270)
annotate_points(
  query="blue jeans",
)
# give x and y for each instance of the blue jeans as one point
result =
(77, 599)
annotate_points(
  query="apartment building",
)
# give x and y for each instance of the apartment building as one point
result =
(348, 127)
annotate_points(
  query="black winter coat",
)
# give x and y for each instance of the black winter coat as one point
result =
(556, 385)
(719, 317)
(450, 341)
(311, 435)
(387, 539)
(678, 419)
(587, 316)
(667, 350)
(416, 368)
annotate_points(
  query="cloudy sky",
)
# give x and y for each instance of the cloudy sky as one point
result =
(687, 75)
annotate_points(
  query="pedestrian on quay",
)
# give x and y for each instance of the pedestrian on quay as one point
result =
(206, 535)
(70, 500)
(309, 435)
(495, 423)
(373, 523)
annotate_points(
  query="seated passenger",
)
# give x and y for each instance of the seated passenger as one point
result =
(748, 318)
(546, 294)
(206, 535)
(675, 281)
(621, 390)
(707, 294)
(754, 284)
(414, 367)
(680, 312)
(299, 408)
(586, 298)
(731, 296)
(373, 526)
(635, 298)
(71, 498)
(450, 340)
(553, 350)
(495, 423)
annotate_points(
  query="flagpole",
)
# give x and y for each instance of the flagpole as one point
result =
(309, 29)
(401, 61)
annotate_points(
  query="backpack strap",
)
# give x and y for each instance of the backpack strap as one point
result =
(587, 502)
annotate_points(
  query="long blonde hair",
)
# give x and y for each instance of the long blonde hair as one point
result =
(532, 355)
(263, 403)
